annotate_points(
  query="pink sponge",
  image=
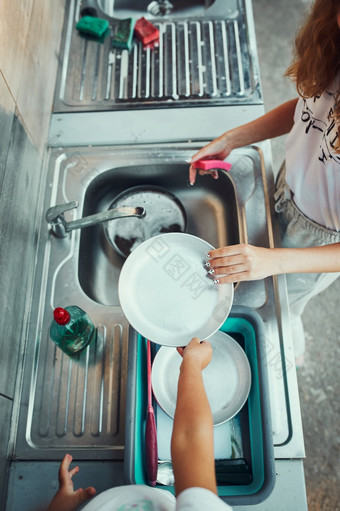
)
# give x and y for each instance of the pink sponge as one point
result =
(212, 165)
(146, 32)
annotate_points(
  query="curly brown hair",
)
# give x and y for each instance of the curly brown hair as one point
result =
(316, 60)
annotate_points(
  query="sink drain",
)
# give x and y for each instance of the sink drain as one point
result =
(160, 8)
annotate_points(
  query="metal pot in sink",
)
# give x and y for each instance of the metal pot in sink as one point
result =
(164, 213)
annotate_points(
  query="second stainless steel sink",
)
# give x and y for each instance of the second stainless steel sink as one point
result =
(154, 8)
(205, 55)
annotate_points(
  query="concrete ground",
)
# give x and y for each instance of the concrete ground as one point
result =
(276, 22)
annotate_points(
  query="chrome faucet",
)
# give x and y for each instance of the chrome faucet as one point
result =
(61, 228)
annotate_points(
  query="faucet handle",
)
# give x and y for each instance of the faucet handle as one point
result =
(55, 217)
(55, 211)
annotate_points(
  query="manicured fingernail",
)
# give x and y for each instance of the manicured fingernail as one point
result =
(207, 254)
(211, 271)
(207, 263)
(216, 281)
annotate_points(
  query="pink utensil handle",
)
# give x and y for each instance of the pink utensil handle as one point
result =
(151, 449)
(212, 165)
(148, 361)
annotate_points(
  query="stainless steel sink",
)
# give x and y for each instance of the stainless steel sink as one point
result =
(80, 404)
(154, 8)
(211, 209)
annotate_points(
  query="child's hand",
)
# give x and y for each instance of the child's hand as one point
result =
(197, 352)
(66, 498)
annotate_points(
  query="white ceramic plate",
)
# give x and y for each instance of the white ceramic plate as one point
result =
(165, 293)
(227, 379)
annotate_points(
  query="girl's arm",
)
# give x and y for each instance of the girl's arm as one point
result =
(192, 443)
(270, 125)
(246, 262)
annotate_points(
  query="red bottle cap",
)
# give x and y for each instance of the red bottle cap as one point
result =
(61, 316)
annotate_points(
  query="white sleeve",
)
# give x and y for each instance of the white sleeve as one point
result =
(200, 499)
(137, 497)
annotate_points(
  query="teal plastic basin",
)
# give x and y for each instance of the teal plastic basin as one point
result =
(246, 327)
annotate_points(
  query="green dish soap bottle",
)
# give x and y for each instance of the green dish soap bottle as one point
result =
(71, 329)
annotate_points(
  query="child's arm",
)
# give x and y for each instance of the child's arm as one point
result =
(192, 444)
(270, 125)
(246, 262)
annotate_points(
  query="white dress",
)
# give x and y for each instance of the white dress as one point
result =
(143, 498)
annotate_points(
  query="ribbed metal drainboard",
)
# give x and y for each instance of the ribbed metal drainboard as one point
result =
(195, 61)
(81, 402)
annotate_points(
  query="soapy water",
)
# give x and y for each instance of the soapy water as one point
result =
(164, 214)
